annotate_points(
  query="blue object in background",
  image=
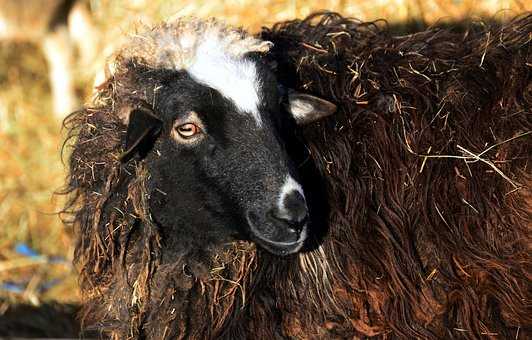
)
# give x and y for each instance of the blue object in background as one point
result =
(13, 287)
(20, 287)
(25, 250)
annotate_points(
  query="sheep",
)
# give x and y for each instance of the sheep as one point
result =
(56, 26)
(216, 194)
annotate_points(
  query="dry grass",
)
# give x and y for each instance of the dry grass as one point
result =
(30, 138)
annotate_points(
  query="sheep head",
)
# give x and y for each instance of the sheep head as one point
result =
(204, 112)
(180, 160)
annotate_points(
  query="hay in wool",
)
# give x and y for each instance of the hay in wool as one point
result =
(427, 172)
(176, 45)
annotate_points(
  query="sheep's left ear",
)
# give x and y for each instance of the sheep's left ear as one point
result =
(143, 127)
(307, 109)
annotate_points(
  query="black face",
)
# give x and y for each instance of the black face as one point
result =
(216, 175)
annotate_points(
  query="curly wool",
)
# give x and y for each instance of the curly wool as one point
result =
(174, 45)
(426, 172)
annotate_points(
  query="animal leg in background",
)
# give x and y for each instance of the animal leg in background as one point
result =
(83, 34)
(57, 48)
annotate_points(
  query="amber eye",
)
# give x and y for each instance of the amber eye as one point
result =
(188, 130)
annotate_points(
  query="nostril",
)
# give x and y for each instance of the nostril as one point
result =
(291, 230)
(299, 224)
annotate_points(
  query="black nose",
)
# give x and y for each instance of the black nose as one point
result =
(292, 210)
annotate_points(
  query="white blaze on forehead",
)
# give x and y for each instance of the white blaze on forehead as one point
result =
(211, 52)
(290, 185)
(235, 78)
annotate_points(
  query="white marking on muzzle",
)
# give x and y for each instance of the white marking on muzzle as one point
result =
(290, 184)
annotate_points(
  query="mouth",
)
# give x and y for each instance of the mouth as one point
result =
(281, 248)
(277, 239)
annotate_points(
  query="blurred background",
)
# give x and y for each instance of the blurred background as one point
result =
(35, 247)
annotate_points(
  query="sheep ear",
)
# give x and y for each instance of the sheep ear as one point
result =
(307, 109)
(142, 129)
